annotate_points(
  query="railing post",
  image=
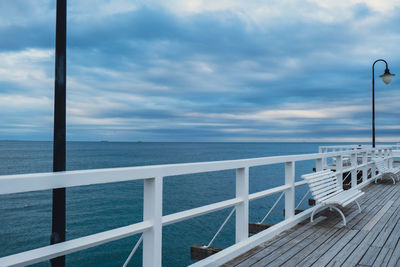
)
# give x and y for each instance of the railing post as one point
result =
(339, 170)
(386, 156)
(353, 160)
(152, 211)
(289, 193)
(318, 164)
(390, 158)
(242, 209)
(373, 167)
(365, 167)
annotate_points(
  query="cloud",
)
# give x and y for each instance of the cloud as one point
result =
(202, 70)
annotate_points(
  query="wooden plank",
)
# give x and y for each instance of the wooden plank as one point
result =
(348, 239)
(366, 205)
(360, 246)
(297, 253)
(383, 257)
(270, 254)
(378, 216)
(394, 258)
(370, 256)
(294, 231)
(199, 252)
(323, 244)
(373, 208)
(243, 257)
(278, 243)
(384, 235)
(322, 250)
(394, 237)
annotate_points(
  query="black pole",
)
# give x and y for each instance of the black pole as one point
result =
(59, 155)
(373, 99)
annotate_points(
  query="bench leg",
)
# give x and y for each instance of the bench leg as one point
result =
(359, 208)
(394, 177)
(341, 214)
(312, 215)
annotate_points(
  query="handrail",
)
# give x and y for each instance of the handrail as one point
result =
(153, 219)
(19, 183)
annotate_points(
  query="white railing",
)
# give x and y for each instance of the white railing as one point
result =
(153, 220)
(326, 149)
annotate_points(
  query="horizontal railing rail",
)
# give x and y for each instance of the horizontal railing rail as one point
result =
(333, 148)
(153, 176)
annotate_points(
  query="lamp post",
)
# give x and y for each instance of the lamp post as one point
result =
(386, 78)
(58, 207)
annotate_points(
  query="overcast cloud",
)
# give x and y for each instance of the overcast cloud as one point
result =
(202, 70)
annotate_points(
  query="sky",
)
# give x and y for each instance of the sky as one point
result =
(203, 70)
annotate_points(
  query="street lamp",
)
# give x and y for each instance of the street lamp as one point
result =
(58, 222)
(386, 78)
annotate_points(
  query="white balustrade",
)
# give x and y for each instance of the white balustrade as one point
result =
(153, 219)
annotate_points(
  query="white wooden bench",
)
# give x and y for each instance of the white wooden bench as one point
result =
(383, 169)
(328, 193)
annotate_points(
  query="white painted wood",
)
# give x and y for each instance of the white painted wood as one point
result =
(251, 242)
(289, 193)
(396, 153)
(319, 164)
(70, 246)
(373, 167)
(329, 194)
(299, 183)
(339, 171)
(390, 156)
(192, 213)
(271, 191)
(364, 168)
(152, 211)
(242, 208)
(353, 160)
(42, 181)
(382, 168)
(153, 219)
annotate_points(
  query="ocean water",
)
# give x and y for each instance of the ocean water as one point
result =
(25, 218)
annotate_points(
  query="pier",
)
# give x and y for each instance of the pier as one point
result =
(369, 238)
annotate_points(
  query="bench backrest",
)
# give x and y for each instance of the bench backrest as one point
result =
(323, 184)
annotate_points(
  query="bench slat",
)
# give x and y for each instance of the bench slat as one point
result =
(325, 194)
(321, 181)
(320, 178)
(352, 199)
(324, 190)
(330, 196)
(322, 185)
(313, 174)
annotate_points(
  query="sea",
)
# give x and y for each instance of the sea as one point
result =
(25, 218)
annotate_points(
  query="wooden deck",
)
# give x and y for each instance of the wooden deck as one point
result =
(371, 238)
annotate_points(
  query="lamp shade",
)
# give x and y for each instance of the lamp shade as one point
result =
(387, 76)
